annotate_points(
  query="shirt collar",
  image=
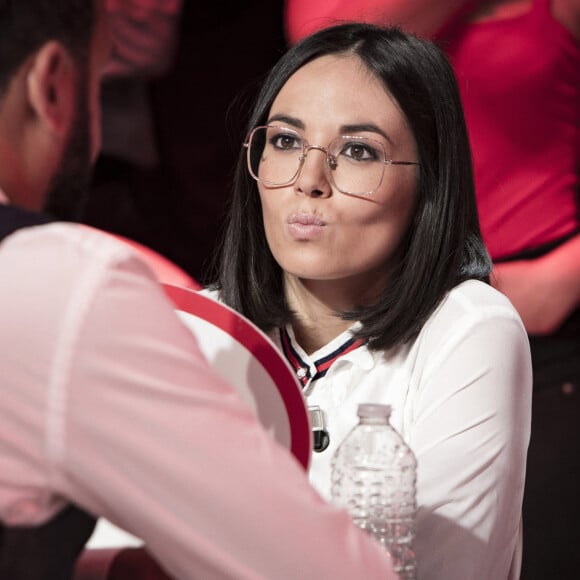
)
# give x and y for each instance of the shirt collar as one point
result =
(312, 367)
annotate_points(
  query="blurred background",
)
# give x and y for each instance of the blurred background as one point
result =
(165, 182)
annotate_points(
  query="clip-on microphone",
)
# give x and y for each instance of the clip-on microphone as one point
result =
(320, 436)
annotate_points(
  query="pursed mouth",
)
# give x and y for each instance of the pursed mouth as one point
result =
(305, 219)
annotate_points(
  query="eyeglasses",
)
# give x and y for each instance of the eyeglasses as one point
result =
(356, 164)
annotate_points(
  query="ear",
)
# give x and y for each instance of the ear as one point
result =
(52, 87)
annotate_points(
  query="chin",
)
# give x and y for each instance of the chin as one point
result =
(316, 275)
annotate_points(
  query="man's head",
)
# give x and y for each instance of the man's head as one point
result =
(51, 54)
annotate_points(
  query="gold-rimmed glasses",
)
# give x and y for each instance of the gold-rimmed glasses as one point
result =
(356, 164)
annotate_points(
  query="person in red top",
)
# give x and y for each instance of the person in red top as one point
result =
(518, 68)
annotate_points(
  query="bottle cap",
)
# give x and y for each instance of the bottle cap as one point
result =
(371, 410)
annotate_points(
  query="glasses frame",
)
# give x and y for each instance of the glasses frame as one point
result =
(330, 159)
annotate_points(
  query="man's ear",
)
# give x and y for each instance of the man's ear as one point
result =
(52, 87)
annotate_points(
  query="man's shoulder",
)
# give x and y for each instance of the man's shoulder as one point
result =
(55, 266)
(68, 246)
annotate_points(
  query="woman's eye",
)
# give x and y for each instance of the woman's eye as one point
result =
(286, 142)
(360, 152)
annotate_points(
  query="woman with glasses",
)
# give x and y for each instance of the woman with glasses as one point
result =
(518, 67)
(353, 240)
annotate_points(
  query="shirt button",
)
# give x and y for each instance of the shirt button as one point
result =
(301, 372)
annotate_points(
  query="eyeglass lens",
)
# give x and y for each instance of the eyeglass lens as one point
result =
(356, 164)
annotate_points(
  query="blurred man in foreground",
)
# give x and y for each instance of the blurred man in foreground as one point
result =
(107, 406)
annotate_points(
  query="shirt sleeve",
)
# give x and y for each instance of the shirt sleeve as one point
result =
(470, 432)
(143, 432)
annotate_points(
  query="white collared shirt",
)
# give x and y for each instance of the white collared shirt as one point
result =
(461, 398)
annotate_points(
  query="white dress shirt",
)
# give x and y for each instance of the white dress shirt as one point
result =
(461, 398)
(107, 402)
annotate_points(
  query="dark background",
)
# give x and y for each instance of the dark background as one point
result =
(200, 110)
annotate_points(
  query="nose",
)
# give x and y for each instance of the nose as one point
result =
(313, 177)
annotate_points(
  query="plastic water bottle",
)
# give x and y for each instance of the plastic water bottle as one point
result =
(373, 477)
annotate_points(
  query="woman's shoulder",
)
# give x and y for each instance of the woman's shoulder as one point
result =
(476, 320)
(477, 296)
(469, 305)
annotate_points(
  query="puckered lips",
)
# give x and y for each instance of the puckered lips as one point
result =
(305, 226)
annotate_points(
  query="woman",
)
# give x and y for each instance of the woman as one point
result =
(353, 239)
(518, 66)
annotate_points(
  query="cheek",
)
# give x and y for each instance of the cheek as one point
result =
(270, 221)
(381, 232)
(400, 202)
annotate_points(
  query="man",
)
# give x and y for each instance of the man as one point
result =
(106, 402)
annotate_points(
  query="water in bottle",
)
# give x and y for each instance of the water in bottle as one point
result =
(373, 477)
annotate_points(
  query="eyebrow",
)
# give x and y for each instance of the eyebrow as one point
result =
(364, 127)
(343, 129)
(288, 120)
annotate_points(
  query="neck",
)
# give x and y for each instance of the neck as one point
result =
(317, 305)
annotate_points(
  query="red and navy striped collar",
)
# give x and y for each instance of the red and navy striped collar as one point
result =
(307, 371)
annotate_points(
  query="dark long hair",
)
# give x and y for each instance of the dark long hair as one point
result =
(443, 246)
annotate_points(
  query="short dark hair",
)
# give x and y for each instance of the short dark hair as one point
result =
(443, 246)
(25, 25)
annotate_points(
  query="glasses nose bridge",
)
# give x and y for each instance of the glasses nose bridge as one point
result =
(307, 148)
(329, 158)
